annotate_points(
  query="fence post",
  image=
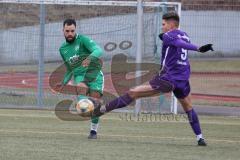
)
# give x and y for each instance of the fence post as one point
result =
(139, 50)
(41, 56)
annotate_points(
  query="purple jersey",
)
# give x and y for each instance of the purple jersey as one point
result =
(175, 64)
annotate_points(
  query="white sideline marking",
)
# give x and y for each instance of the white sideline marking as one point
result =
(109, 135)
(53, 116)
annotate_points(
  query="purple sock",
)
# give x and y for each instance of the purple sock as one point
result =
(194, 122)
(119, 102)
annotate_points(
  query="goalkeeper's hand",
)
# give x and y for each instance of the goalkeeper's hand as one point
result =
(161, 36)
(205, 48)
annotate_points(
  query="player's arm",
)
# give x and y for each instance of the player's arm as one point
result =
(58, 87)
(182, 44)
(93, 47)
(177, 42)
(188, 46)
(68, 75)
(93, 61)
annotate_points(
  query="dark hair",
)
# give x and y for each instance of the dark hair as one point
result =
(171, 16)
(69, 22)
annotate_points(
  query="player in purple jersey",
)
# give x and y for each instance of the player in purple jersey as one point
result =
(173, 76)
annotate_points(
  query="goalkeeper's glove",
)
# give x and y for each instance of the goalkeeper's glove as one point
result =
(205, 48)
(161, 36)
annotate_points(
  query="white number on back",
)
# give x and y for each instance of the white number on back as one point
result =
(184, 54)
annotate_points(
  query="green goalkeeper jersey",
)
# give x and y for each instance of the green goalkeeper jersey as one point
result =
(75, 52)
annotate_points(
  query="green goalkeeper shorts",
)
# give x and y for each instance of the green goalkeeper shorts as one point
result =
(94, 86)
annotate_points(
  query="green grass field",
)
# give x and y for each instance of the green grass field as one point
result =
(33, 134)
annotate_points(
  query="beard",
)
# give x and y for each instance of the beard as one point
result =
(70, 40)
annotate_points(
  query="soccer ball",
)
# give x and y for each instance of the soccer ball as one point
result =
(84, 106)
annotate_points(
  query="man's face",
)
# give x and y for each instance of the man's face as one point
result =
(69, 32)
(166, 26)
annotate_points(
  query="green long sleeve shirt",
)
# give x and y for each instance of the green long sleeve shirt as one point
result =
(74, 53)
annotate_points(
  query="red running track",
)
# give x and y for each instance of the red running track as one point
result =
(30, 80)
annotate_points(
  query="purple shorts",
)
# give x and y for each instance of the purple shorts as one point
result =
(180, 88)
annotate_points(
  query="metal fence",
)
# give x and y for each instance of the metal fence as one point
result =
(215, 82)
(113, 25)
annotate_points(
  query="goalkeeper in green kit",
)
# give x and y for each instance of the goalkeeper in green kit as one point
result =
(81, 58)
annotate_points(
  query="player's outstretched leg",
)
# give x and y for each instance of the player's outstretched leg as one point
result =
(119, 102)
(131, 95)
